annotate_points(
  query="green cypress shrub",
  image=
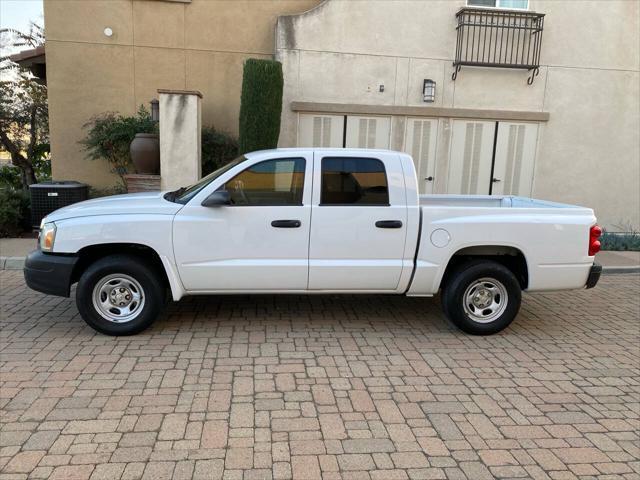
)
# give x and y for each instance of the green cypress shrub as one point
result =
(260, 105)
(218, 149)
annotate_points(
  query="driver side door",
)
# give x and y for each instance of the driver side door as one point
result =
(260, 242)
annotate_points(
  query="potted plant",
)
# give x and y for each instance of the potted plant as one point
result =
(145, 153)
(110, 136)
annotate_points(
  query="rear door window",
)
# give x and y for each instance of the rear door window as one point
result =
(354, 181)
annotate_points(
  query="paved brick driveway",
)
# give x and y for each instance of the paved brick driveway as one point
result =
(338, 387)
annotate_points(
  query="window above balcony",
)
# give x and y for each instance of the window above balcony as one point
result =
(519, 4)
(498, 38)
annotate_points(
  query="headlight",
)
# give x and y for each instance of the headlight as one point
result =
(47, 236)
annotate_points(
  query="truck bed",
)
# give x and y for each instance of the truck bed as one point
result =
(551, 237)
(490, 201)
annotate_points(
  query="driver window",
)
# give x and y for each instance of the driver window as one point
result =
(269, 183)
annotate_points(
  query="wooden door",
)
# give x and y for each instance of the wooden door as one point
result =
(471, 156)
(514, 158)
(368, 132)
(420, 143)
(315, 130)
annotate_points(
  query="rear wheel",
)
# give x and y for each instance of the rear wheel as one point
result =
(481, 297)
(120, 295)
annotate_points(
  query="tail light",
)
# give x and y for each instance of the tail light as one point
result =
(594, 242)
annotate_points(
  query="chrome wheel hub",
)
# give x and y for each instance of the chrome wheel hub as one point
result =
(118, 298)
(485, 300)
(482, 298)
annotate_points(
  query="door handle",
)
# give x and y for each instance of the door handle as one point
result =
(389, 224)
(429, 179)
(495, 180)
(286, 223)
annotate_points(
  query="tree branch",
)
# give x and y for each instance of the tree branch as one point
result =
(19, 160)
(32, 132)
(11, 147)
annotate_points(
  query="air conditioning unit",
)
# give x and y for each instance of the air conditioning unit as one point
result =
(49, 196)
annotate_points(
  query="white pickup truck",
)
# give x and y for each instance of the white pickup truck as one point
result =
(308, 221)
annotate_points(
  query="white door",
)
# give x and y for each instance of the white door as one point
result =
(368, 132)
(324, 131)
(259, 242)
(420, 143)
(471, 155)
(359, 224)
(514, 160)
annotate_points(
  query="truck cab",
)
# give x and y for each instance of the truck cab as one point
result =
(299, 220)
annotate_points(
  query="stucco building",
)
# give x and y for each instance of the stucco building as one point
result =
(563, 125)
(114, 55)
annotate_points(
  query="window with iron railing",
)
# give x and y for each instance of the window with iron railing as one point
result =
(490, 37)
(521, 4)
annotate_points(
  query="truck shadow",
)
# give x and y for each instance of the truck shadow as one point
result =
(543, 315)
(304, 311)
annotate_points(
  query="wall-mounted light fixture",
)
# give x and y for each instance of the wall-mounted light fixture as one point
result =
(429, 91)
(155, 110)
(108, 32)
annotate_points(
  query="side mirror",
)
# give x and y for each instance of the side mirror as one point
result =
(217, 199)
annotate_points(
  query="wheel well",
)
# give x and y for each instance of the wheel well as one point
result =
(510, 257)
(90, 254)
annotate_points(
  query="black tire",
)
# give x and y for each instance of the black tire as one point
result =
(129, 267)
(465, 280)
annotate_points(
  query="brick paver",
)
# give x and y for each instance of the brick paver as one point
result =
(323, 387)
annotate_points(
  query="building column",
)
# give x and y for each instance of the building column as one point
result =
(180, 138)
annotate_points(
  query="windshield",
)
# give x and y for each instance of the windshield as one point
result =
(183, 195)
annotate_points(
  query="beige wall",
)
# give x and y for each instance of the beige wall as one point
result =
(589, 150)
(197, 45)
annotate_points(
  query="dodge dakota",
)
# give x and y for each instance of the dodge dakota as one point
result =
(312, 221)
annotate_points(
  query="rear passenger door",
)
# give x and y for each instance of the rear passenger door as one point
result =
(358, 226)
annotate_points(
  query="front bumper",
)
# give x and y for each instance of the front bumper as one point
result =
(594, 275)
(49, 273)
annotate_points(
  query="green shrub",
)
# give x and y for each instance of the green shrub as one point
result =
(110, 135)
(260, 105)
(218, 149)
(10, 177)
(14, 211)
(628, 240)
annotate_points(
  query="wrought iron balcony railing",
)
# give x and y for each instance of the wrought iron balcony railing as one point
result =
(498, 38)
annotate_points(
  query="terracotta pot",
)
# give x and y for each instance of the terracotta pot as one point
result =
(145, 153)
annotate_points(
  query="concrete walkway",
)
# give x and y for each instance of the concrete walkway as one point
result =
(619, 259)
(13, 251)
(16, 247)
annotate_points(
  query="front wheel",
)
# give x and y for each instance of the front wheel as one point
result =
(481, 297)
(119, 295)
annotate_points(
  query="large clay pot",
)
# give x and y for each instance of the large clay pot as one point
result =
(145, 153)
